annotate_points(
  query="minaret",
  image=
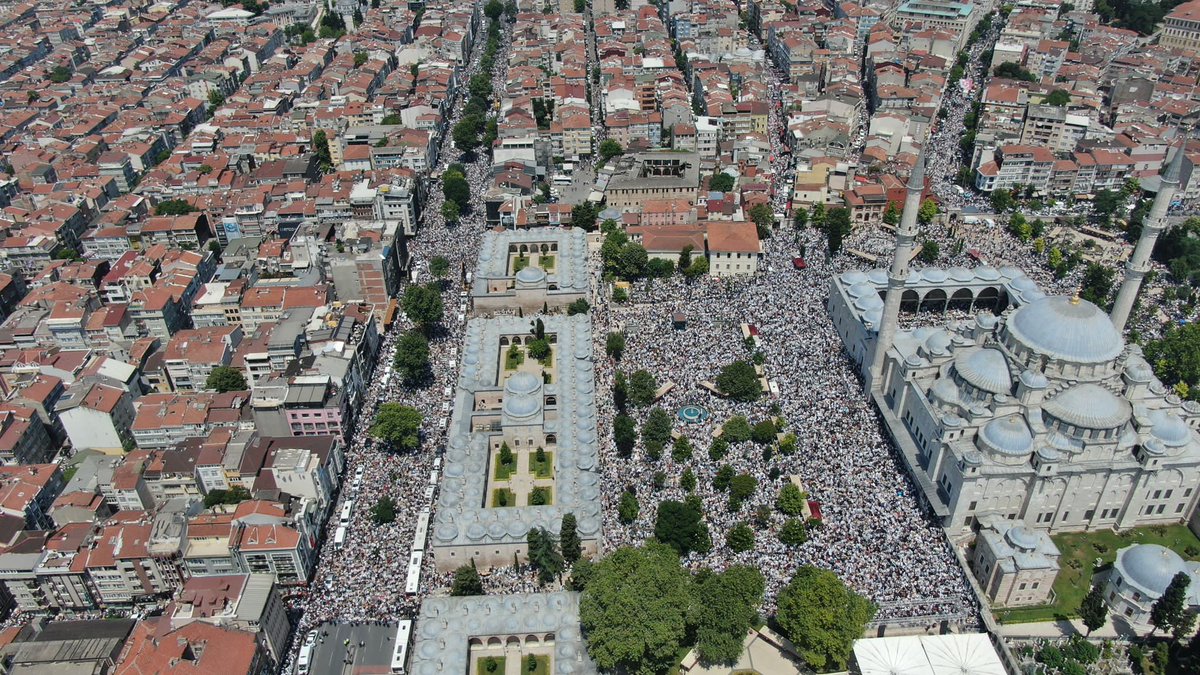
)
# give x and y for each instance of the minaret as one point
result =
(1152, 226)
(906, 235)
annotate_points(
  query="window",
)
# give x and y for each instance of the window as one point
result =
(1021, 588)
(1036, 584)
(972, 506)
(1167, 494)
(1087, 515)
(1157, 494)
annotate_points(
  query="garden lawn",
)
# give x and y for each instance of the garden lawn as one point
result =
(1080, 551)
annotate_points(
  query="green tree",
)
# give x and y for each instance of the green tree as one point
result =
(173, 207)
(412, 358)
(1093, 611)
(1097, 284)
(656, 432)
(544, 555)
(455, 188)
(466, 133)
(725, 609)
(1106, 203)
(450, 211)
(737, 429)
(384, 511)
(720, 182)
(628, 507)
(741, 488)
(685, 257)
(439, 266)
(215, 99)
(791, 500)
(681, 450)
(1014, 71)
(1167, 611)
(687, 481)
(360, 58)
(225, 378)
(1002, 201)
(723, 477)
(891, 216)
(624, 434)
(927, 212)
(59, 74)
(1176, 356)
(740, 538)
(642, 386)
(614, 345)
(583, 215)
(579, 306)
(234, 495)
(680, 525)
(822, 617)
(698, 268)
(793, 533)
(321, 150)
(764, 432)
(609, 149)
(422, 305)
(763, 217)
(930, 251)
(538, 349)
(739, 381)
(837, 226)
(466, 581)
(1059, 97)
(398, 425)
(635, 609)
(568, 539)
(493, 9)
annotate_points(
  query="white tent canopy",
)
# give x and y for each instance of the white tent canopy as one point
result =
(969, 654)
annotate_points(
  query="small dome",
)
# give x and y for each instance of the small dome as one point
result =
(854, 277)
(1022, 538)
(938, 343)
(1011, 272)
(862, 289)
(531, 275)
(985, 369)
(961, 274)
(1034, 380)
(1066, 328)
(522, 405)
(1007, 436)
(933, 275)
(945, 391)
(1149, 567)
(1024, 283)
(878, 276)
(1137, 370)
(522, 383)
(1170, 428)
(873, 317)
(986, 320)
(869, 302)
(987, 273)
(1089, 406)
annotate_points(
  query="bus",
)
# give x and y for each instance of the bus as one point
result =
(304, 661)
(339, 538)
(413, 584)
(422, 531)
(400, 649)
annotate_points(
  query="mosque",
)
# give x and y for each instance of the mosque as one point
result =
(1035, 410)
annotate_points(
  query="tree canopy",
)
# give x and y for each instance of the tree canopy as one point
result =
(609, 149)
(422, 305)
(225, 378)
(1176, 356)
(635, 609)
(642, 386)
(725, 608)
(680, 525)
(720, 182)
(398, 425)
(412, 358)
(822, 617)
(466, 581)
(173, 207)
(739, 381)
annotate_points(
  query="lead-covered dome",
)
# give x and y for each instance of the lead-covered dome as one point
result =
(1007, 436)
(1069, 329)
(984, 369)
(1150, 567)
(1089, 406)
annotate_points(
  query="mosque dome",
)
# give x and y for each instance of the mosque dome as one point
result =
(938, 343)
(1089, 406)
(1149, 567)
(1023, 538)
(522, 383)
(1007, 436)
(531, 275)
(1069, 329)
(985, 369)
(944, 391)
(854, 277)
(1170, 428)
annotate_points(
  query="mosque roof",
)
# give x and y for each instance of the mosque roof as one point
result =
(1089, 406)
(1070, 329)
(1007, 435)
(985, 369)
(1151, 567)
